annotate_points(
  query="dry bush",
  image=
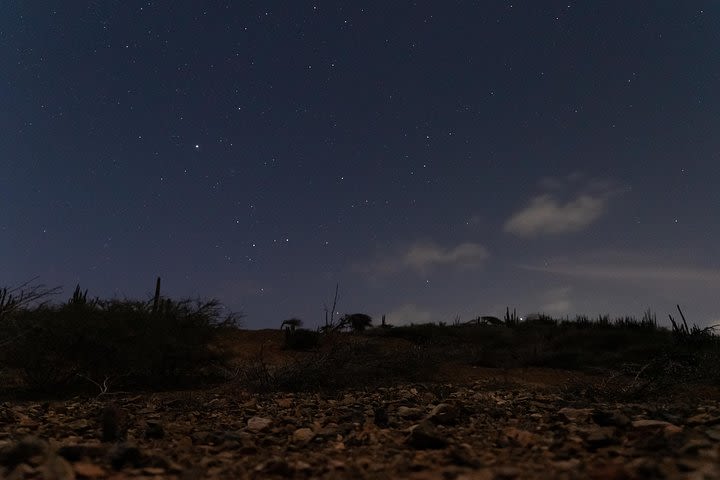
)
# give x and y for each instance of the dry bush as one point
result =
(94, 343)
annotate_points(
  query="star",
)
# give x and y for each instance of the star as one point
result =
(343, 123)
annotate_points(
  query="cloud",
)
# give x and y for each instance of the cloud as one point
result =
(619, 265)
(546, 214)
(631, 272)
(421, 257)
(409, 313)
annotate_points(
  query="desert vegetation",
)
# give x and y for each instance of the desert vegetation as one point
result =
(94, 345)
(159, 387)
(105, 344)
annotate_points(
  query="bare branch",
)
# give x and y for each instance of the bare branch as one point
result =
(25, 295)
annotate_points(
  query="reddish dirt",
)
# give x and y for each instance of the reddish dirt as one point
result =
(248, 344)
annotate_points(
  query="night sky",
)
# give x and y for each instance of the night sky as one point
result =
(433, 158)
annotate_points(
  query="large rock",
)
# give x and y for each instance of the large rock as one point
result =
(704, 418)
(662, 425)
(426, 436)
(577, 415)
(303, 435)
(410, 413)
(258, 424)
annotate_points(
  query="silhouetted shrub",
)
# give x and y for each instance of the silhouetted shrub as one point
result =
(116, 341)
(291, 324)
(359, 321)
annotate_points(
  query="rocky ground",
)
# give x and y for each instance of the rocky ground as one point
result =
(474, 430)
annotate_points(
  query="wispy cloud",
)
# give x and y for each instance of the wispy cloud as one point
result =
(632, 272)
(622, 265)
(421, 257)
(546, 214)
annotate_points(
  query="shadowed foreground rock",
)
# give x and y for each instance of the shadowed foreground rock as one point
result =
(464, 432)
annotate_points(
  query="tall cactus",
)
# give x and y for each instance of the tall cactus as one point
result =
(156, 298)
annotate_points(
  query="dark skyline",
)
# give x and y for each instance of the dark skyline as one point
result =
(434, 159)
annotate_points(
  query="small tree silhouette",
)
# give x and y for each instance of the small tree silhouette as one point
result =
(357, 321)
(291, 324)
